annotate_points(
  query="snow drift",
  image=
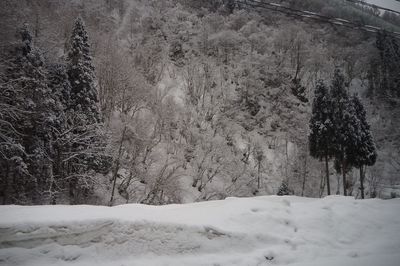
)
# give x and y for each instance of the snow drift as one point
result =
(248, 231)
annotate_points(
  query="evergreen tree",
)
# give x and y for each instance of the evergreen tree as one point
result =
(366, 151)
(13, 167)
(322, 131)
(26, 79)
(346, 125)
(60, 87)
(84, 99)
(87, 141)
(283, 189)
(50, 129)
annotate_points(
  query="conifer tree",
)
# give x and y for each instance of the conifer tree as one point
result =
(87, 141)
(13, 167)
(60, 87)
(26, 78)
(365, 154)
(321, 138)
(59, 84)
(346, 125)
(84, 99)
(283, 189)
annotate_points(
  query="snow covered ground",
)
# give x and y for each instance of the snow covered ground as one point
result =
(248, 231)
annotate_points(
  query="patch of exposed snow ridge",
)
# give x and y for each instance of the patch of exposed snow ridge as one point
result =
(247, 231)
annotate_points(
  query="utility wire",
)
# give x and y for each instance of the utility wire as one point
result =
(374, 6)
(315, 16)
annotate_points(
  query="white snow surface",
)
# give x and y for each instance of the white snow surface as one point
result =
(267, 230)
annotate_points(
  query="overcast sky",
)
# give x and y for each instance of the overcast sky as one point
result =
(392, 4)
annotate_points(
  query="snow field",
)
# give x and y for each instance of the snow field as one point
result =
(267, 230)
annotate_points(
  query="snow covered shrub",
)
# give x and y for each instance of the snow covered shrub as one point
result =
(283, 189)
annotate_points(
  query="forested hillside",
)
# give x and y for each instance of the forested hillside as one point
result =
(172, 101)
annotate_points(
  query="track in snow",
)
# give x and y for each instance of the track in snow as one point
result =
(254, 231)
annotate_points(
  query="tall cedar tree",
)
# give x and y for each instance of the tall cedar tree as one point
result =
(366, 154)
(26, 75)
(84, 99)
(322, 131)
(61, 89)
(88, 141)
(347, 127)
(14, 174)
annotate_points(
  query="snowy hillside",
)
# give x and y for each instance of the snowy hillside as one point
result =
(248, 231)
(182, 101)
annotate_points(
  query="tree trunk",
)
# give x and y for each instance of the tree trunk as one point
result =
(338, 184)
(287, 162)
(321, 186)
(117, 163)
(344, 177)
(72, 187)
(304, 176)
(328, 185)
(7, 184)
(258, 178)
(362, 181)
(37, 25)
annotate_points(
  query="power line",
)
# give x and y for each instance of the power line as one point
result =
(315, 16)
(374, 6)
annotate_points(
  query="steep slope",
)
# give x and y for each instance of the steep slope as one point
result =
(204, 102)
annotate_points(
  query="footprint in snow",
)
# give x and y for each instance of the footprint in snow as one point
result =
(286, 202)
